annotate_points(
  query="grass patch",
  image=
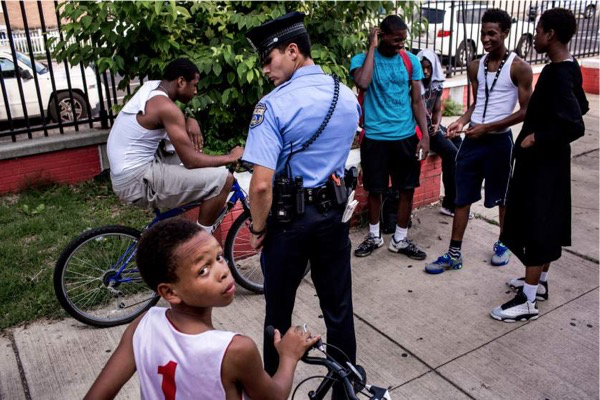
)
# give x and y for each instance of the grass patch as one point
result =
(36, 226)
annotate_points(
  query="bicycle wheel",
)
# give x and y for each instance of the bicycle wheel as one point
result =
(96, 280)
(243, 260)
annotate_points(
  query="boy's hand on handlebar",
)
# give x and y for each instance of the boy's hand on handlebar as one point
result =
(294, 343)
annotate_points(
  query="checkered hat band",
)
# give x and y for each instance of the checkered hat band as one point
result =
(290, 31)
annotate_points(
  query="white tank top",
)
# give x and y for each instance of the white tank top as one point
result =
(502, 99)
(129, 144)
(173, 365)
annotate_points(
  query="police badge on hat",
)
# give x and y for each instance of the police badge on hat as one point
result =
(265, 37)
(258, 115)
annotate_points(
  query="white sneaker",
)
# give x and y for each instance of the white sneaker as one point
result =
(517, 309)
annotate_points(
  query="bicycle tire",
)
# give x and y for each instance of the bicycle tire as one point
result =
(243, 260)
(83, 271)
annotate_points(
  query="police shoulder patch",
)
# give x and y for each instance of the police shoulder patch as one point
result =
(258, 115)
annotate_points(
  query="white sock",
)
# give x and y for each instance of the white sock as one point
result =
(374, 229)
(530, 291)
(544, 277)
(400, 233)
(207, 229)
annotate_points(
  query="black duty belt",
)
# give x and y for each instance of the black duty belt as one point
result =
(315, 195)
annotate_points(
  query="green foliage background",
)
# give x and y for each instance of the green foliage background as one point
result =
(138, 38)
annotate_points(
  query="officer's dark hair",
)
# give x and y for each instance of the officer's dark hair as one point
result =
(392, 23)
(156, 254)
(302, 41)
(560, 20)
(180, 67)
(498, 16)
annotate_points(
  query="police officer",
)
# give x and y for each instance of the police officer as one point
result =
(279, 145)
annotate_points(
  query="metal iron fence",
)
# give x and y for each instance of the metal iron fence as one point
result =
(43, 97)
(451, 29)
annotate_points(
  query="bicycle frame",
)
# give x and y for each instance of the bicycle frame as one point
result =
(237, 194)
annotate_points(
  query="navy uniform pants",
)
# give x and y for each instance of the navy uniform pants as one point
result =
(323, 240)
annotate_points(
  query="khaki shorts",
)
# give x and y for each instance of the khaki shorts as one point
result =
(166, 184)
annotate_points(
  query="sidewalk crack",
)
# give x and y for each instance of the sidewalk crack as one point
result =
(431, 369)
(24, 383)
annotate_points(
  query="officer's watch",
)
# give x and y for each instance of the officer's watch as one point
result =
(257, 233)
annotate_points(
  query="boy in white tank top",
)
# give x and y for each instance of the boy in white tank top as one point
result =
(499, 80)
(176, 351)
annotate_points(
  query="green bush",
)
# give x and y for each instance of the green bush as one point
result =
(451, 108)
(137, 39)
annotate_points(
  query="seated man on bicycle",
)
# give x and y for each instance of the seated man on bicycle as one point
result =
(146, 173)
(176, 351)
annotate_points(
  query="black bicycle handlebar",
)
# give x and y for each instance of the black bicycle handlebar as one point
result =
(352, 377)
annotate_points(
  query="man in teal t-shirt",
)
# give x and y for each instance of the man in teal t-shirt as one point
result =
(392, 109)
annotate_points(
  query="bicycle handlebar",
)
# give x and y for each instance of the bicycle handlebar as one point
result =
(353, 377)
(240, 166)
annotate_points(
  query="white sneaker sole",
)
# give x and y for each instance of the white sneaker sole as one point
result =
(519, 319)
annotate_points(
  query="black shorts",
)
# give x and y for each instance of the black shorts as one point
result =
(382, 159)
(488, 158)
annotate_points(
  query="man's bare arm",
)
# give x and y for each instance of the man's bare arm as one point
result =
(261, 198)
(362, 76)
(173, 120)
(418, 109)
(457, 126)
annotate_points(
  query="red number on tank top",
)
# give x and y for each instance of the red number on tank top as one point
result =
(168, 382)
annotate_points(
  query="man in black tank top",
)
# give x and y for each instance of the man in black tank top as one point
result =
(486, 152)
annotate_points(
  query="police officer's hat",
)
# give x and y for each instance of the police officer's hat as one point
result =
(265, 37)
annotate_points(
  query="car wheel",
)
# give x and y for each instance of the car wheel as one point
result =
(65, 111)
(590, 11)
(464, 53)
(524, 46)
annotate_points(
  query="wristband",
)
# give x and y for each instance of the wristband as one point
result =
(257, 233)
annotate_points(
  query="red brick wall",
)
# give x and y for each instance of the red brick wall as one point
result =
(590, 80)
(66, 166)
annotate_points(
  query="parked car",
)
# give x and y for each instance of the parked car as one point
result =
(586, 8)
(82, 94)
(453, 30)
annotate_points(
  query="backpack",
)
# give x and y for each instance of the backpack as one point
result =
(361, 93)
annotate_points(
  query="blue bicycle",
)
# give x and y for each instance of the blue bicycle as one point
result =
(97, 281)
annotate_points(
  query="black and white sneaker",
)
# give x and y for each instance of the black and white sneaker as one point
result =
(370, 243)
(407, 248)
(518, 309)
(542, 290)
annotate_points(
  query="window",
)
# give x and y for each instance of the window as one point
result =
(470, 16)
(433, 15)
(7, 67)
(39, 68)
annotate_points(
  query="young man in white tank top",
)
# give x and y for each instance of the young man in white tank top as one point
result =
(176, 351)
(144, 174)
(499, 80)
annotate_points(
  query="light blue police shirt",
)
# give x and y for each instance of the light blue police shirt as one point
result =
(387, 102)
(287, 117)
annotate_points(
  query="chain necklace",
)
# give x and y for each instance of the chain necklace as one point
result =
(485, 73)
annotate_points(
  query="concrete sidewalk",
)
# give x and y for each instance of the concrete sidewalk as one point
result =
(426, 337)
